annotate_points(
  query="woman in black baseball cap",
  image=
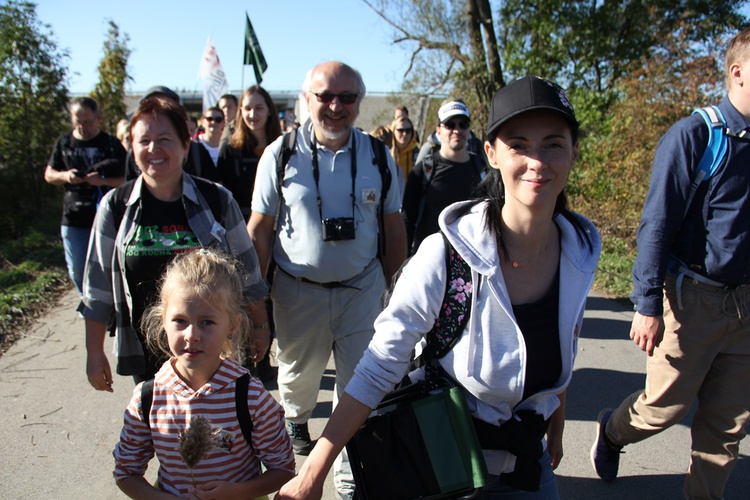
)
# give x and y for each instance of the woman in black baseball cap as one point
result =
(532, 263)
(531, 147)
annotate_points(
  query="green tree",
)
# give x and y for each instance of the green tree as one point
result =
(472, 47)
(109, 91)
(670, 83)
(452, 44)
(33, 99)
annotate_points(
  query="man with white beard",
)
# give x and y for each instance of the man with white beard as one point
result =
(328, 284)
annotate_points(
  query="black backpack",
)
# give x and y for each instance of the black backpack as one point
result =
(380, 158)
(240, 402)
(454, 310)
(428, 172)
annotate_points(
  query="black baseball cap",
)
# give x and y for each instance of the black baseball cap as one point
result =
(527, 94)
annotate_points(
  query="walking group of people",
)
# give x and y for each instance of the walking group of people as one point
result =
(177, 268)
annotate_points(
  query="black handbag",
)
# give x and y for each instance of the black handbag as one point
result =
(419, 443)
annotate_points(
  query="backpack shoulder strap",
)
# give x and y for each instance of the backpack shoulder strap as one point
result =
(288, 148)
(210, 192)
(455, 309)
(428, 166)
(428, 169)
(147, 398)
(120, 200)
(240, 398)
(715, 150)
(196, 152)
(380, 158)
(243, 414)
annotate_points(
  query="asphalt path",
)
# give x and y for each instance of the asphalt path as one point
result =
(57, 433)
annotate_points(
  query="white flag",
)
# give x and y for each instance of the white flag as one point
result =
(214, 80)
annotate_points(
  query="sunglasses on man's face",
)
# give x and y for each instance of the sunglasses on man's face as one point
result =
(214, 119)
(328, 97)
(453, 125)
(405, 130)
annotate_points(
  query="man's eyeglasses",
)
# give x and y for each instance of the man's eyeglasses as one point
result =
(453, 125)
(214, 119)
(328, 97)
(405, 130)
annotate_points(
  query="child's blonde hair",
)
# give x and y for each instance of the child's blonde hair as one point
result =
(213, 277)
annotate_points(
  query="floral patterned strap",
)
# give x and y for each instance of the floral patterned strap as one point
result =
(454, 312)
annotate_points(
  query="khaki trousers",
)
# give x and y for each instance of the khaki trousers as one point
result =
(705, 354)
(311, 323)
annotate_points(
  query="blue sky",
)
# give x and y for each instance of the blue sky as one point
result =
(167, 38)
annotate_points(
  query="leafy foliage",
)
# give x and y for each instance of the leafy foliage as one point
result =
(109, 91)
(33, 97)
(614, 170)
(32, 270)
(586, 46)
(631, 68)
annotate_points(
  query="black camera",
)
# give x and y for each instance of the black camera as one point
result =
(340, 228)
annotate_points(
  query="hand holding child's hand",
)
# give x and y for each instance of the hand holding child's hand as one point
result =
(98, 371)
(261, 342)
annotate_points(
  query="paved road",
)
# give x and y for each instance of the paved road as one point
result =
(57, 433)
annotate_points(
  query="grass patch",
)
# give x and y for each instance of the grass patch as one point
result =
(613, 272)
(32, 275)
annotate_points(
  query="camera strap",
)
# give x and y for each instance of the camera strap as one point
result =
(316, 172)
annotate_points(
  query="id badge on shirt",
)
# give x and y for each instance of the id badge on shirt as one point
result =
(369, 195)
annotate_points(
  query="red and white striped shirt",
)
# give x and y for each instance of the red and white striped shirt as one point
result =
(175, 403)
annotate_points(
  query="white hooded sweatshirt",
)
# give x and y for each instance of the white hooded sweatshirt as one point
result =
(489, 360)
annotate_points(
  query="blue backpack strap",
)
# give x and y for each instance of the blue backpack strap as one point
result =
(715, 150)
(455, 309)
(243, 414)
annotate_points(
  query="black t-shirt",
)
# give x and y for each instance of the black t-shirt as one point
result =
(80, 201)
(161, 233)
(541, 333)
(237, 169)
(450, 182)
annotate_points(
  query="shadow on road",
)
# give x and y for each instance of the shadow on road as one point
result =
(623, 488)
(593, 389)
(605, 329)
(605, 304)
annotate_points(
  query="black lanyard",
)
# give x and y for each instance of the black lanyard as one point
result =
(316, 172)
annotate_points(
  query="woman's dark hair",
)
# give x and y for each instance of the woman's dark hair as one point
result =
(243, 137)
(158, 105)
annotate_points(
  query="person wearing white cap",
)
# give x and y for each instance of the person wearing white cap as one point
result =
(473, 144)
(447, 174)
(532, 264)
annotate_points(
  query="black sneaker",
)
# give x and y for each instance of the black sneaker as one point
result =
(301, 442)
(605, 456)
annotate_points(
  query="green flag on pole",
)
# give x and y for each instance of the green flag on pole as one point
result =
(253, 54)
